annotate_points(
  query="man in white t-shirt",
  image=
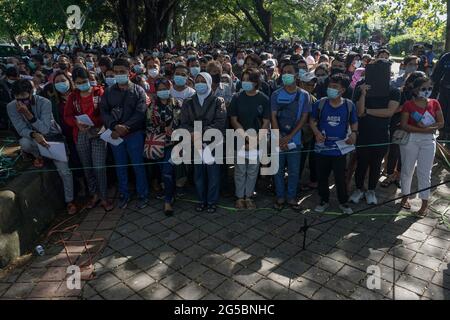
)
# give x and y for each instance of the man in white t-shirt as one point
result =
(180, 90)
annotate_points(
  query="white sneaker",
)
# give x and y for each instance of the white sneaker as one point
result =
(322, 207)
(345, 209)
(371, 197)
(357, 196)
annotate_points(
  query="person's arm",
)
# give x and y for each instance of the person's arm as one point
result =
(44, 123)
(105, 112)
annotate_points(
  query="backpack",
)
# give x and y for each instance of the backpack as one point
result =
(287, 119)
(322, 102)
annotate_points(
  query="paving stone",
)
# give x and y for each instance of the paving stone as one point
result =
(155, 291)
(413, 284)
(19, 290)
(117, 292)
(192, 291)
(229, 290)
(139, 281)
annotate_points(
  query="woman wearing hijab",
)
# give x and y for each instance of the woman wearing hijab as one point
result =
(203, 106)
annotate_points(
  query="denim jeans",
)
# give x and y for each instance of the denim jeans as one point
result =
(207, 182)
(168, 175)
(132, 147)
(292, 159)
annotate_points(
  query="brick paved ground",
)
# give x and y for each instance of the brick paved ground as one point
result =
(251, 255)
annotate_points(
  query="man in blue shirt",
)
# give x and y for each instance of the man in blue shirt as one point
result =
(332, 119)
(290, 108)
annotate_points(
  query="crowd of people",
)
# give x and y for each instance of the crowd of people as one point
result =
(318, 100)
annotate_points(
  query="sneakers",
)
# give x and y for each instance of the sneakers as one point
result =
(240, 204)
(142, 203)
(123, 202)
(345, 209)
(322, 207)
(357, 196)
(371, 197)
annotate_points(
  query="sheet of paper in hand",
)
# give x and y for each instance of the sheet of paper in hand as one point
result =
(378, 76)
(84, 119)
(55, 151)
(106, 136)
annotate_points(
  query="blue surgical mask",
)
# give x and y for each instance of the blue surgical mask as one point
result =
(163, 94)
(332, 93)
(201, 88)
(84, 87)
(180, 80)
(195, 71)
(62, 87)
(288, 79)
(247, 86)
(110, 81)
(121, 78)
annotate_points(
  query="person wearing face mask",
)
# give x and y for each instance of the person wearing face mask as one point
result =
(211, 111)
(290, 107)
(331, 120)
(422, 118)
(84, 100)
(322, 74)
(411, 64)
(163, 117)
(33, 120)
(249, 109)
(180, 90)
(375, 116)
(123, 108)
(219, 89)
(238, 67)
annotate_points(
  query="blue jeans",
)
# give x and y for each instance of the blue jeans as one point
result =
(132, 146)
(292, 159)
(168, 175)
(207, 182)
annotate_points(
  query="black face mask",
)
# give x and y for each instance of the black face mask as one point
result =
(216, 78)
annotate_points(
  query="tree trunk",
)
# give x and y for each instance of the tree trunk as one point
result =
(447, 34)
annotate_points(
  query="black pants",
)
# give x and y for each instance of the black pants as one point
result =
(369, 158)
(312, 161)
(324, 167)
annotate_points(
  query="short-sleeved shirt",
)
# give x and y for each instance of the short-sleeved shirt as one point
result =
(410, 106)
(334, 123)
(286, 97)
(375, 130)
(250, 110)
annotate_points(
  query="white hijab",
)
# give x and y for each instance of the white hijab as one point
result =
(208, 79)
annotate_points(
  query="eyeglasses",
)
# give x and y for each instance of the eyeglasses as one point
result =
(426, 89)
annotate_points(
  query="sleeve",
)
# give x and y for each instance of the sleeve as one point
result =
(233, 111)
(273, 102)
(136, 121)
(307, 104)
(186, 122)
(69, 118)
(17, 120)
(105, 111)
(44, 123)
(395, 95)
(314, 110)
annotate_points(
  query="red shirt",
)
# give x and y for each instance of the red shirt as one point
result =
(410, 106)
(77, 105)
